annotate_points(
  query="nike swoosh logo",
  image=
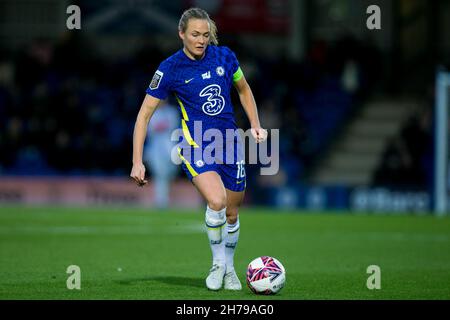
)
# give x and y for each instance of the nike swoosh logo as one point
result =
(187, 81)
(238, 182)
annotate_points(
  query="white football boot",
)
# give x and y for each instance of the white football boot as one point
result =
(214, 280)
(231, 281)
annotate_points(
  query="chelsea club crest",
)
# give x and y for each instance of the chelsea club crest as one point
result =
(220, 71)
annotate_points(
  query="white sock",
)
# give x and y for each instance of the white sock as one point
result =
(230, 243)
(215, 225)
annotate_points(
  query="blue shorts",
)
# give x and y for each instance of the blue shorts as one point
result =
(232, 171)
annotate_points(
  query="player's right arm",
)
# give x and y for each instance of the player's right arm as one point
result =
(148, 107)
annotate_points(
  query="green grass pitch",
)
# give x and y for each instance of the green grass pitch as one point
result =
(145, 254)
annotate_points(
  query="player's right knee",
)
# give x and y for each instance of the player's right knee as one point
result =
(217, 203)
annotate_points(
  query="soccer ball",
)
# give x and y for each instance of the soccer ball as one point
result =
(266, 275)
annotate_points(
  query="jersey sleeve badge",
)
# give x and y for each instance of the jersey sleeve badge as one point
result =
(156, 80)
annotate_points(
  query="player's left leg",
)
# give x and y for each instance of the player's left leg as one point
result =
(210, 186)
(234, 201)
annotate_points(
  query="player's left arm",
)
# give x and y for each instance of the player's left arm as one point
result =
(248, 103)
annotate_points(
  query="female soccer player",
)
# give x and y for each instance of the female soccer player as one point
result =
(200, 75)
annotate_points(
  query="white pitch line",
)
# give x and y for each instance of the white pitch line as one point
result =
(103, 230)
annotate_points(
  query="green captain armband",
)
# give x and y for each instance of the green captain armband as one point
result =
(238, 75)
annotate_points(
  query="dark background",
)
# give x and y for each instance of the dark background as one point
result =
(69, 98)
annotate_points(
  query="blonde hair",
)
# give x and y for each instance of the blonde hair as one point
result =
(197, 13)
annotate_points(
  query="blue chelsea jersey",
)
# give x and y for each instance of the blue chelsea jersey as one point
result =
(201, 87)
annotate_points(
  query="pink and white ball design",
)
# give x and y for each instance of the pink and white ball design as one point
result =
(266, 275)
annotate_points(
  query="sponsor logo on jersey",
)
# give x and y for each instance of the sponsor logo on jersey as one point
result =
(220, 71)
(206, 75)
(215, 102)
(154, 84)
(189, 80)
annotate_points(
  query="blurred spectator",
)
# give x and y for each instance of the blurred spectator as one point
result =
(396, 168)
(269, 114)
(405, 161)
(158, 149)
